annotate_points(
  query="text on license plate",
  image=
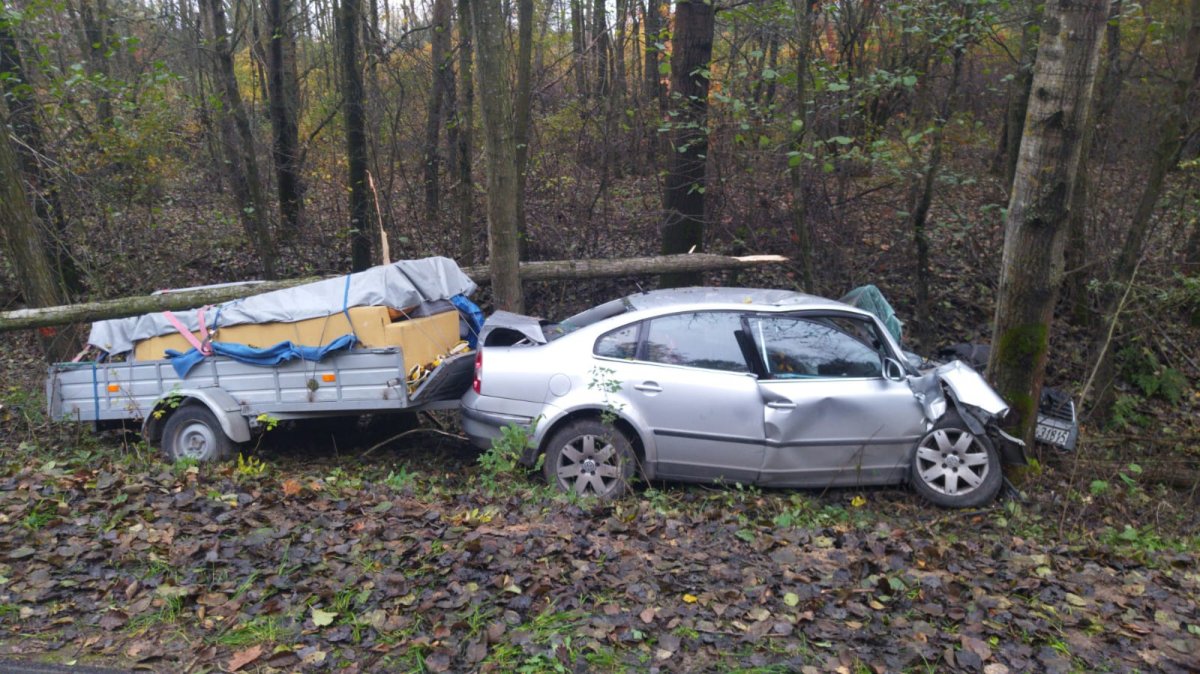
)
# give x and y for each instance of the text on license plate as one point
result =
(1051, 435)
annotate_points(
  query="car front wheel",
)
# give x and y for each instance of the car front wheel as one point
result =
(955, 468)
(590, 458)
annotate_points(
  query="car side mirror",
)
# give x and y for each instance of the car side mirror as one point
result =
(893, 370)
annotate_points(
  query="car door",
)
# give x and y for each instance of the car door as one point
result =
(689, 384)
(830, 416)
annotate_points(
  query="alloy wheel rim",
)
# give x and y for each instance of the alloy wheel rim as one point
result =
(588, 464)
(952, 461)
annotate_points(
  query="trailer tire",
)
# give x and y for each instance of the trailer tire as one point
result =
(193, 432)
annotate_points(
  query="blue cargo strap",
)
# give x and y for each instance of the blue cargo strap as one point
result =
(95, 393)
(346, 306)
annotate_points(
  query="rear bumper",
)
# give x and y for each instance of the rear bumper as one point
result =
(483, 417)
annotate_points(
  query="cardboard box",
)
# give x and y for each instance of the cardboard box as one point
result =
(422, 339)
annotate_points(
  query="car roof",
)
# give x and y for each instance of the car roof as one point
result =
(668, 297)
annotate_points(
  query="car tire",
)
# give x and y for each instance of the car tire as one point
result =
(954, 468)
(590, 458)
(192, 432)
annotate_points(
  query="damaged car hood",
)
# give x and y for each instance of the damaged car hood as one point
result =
(966, 385)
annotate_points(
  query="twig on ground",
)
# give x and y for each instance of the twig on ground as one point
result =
(412, 432)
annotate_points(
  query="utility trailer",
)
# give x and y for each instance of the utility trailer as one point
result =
(385, 340)
(223, 403)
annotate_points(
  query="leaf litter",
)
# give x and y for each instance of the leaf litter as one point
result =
(320, 564)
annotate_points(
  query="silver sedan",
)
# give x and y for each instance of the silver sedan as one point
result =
(765, 387)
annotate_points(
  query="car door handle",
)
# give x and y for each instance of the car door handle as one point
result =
(648, 387)
(781, 405)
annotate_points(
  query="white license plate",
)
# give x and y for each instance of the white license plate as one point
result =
(1051, 435)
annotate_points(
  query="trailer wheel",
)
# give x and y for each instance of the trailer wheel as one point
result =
(193, 432)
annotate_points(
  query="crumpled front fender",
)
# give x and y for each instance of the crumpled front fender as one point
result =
(979, 406)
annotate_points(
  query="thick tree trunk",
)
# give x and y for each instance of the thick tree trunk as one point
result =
(1035, 229)
(503, 182)
(283, 89)
(1175, 127)
(442, 74)
(546, 270)
(362, 225)
(464, 122)
(683, 199)
(22, 240)
(239, 143)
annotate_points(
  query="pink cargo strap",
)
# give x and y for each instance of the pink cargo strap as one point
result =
(202, 346)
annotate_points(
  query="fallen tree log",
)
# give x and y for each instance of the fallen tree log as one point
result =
(550, 270)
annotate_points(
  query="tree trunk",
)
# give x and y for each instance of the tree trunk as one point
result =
(600, 48)
(805, 11)
(96, 48)
(1076, 254)
(239, 143)
(1175, 127)
(578, 48)
(442, 73)
(499, 136)
(683, 199)
(922, 191)
(283, 89)
(18, 91)
(654, 37)
(464, 121)
(544, 270)
(1018, 91)
(19, 232)
(362, 227)
(1035, 228)
(523, 114)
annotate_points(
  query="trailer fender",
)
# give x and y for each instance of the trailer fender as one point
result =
(223, 406)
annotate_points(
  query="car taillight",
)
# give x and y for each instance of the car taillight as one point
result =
(477, 383)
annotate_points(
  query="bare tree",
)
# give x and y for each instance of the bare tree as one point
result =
(238, 141)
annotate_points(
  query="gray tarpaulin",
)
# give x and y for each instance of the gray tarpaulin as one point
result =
(398, 285)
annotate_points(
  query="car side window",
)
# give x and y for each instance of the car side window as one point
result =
(620, 343)
(794, 347)
(705, 339)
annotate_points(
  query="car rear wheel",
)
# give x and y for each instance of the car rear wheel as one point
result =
(955, 468)
(590, 458)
